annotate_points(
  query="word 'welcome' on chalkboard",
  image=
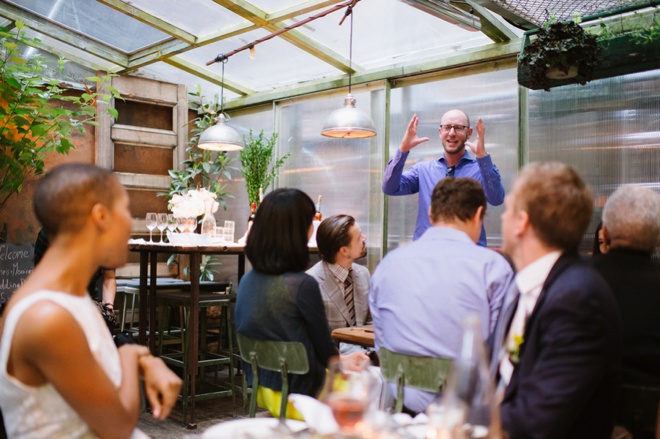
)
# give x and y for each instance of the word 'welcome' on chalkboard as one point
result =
(16, 263)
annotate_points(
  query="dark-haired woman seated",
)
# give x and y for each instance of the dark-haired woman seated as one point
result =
(277, 301)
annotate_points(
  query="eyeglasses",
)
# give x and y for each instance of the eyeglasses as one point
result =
(457, 128)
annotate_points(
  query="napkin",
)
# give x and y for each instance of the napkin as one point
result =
(317, 415)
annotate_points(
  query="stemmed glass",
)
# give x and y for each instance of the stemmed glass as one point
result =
(172, 223)
(151, 222)
(161, 223)
(347, 395)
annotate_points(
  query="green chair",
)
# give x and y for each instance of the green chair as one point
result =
(286, 357)
(423, 373)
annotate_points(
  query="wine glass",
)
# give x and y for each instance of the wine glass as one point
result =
(161, 223)
(171, 223)
(151, 222)
(347, 394)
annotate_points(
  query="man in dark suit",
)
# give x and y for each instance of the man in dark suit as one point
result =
(631, 229)
(555, 348)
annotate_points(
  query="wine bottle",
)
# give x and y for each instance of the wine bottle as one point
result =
(253, 213)
(318, 216)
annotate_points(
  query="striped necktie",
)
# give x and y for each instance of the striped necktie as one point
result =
(348, 298)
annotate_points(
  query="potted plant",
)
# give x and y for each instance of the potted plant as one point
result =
(201, 173)
(560, 51)
(256, 158)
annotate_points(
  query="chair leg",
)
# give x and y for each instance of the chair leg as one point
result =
(255, 387)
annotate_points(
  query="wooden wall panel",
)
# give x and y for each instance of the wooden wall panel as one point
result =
(141, 159)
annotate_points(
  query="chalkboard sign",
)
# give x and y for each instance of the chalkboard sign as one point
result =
(16, 262)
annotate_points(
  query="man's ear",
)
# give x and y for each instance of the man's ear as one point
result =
(100, 216)
(521, 223)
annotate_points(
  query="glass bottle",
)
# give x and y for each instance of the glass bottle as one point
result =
(318, 216)
(471, 382)
(208, 222)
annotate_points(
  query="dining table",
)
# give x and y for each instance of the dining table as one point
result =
(148, 284)
(360, 335)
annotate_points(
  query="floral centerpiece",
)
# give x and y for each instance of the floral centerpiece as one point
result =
(193, 203)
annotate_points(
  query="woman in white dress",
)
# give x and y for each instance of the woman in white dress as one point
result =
(60, 373)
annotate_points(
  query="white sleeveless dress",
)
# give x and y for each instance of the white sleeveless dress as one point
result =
(41, 412)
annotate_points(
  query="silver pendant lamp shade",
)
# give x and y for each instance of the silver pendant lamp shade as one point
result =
(348, 122)
(221, 137)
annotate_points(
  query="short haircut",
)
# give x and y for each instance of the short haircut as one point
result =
(457, 199)
(277, 242)
(558, 203)
(333, 234)
(632, 215)
(65, 196)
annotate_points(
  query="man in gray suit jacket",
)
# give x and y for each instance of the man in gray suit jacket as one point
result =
(344, 284)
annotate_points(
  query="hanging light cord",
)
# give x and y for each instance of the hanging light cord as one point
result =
(349, 11)
(223, 60)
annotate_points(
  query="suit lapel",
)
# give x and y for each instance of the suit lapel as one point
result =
(502, 328)
(334, 293)
(564, 261)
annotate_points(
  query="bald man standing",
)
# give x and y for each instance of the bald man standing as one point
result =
(454, 131)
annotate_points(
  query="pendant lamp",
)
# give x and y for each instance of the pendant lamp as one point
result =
(221, 137)
(348, 121)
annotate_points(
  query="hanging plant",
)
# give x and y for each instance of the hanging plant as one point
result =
(560, 51)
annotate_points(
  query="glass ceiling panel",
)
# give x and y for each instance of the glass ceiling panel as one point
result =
(70, 53)
(277, 62)
(97, 21)
(198, 17)
(167, 73)
(386, 32)
(271, 6)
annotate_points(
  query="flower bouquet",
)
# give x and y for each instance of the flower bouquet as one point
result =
(189, 206)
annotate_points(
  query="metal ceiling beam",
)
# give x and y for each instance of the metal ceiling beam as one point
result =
(298, 39)
(207, 75)
(494, 52)
(64, 34)
(447, 12)
(150, 20)
(522, 22)
(161, 51)
(490, 25)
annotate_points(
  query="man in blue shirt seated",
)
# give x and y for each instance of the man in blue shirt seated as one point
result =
(422, 177)
(421, 292)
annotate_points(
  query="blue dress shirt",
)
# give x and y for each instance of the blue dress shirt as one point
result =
(423, 176)
(421, 293)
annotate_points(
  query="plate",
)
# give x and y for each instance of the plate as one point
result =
(255, 427)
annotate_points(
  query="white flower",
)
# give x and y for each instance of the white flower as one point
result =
(193, 203)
